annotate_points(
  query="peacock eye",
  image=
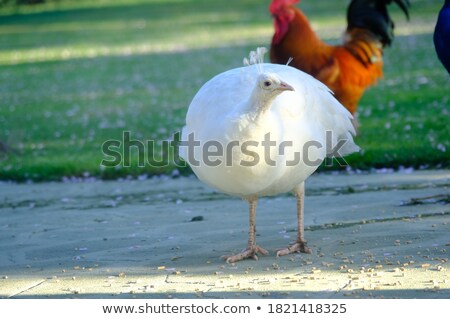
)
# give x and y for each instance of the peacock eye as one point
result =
(267, 83)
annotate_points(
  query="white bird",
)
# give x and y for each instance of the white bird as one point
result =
(261, 130)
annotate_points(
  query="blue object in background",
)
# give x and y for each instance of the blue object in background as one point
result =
(442, 35)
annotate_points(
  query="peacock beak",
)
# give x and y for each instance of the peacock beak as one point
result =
(285, 87)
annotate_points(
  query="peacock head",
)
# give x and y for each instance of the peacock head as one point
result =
(271, 84)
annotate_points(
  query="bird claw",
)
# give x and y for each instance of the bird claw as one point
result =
(298, 247)
(249, 252)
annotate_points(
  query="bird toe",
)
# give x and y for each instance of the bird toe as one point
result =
(298, 247)
(249, 253)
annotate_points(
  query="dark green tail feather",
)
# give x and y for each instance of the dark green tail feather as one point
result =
(373, 15)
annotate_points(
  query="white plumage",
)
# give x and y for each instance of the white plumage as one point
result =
(262, 130)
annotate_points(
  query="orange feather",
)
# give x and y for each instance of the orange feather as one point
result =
(347, 69)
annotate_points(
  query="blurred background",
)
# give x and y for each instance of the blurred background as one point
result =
(74, 74)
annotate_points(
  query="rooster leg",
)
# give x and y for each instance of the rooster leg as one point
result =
(252, 249)
(300, 245)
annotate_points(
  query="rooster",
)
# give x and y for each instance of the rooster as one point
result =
(347, 69)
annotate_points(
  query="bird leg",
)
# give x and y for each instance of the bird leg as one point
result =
(252, 249)
(300, 244)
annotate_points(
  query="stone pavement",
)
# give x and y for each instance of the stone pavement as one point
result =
(373, 236)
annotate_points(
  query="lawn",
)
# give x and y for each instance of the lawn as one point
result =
(75, 74)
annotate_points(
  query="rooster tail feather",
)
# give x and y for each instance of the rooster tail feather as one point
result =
(404, 4)
(373, 15)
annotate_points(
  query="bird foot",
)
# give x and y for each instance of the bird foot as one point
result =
(298, 247)
(249, 252)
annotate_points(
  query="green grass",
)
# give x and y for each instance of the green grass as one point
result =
(75, 74)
